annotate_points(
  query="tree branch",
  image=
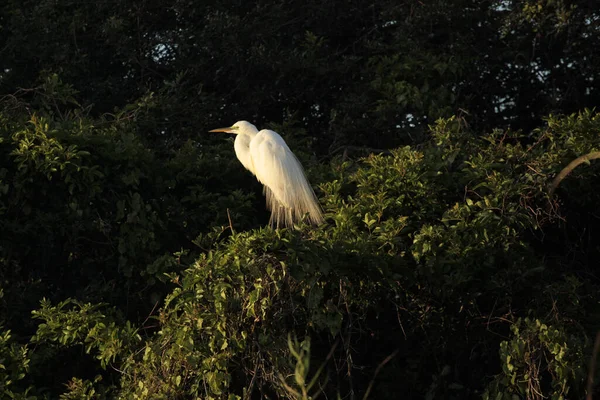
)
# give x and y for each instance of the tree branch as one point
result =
(572, 165)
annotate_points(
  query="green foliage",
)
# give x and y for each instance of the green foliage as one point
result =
(536, 349)
(301, 352)
(374, 75)
(89, 212)
(84, 325)
(426, 251)
(14, 365)
(230, 311)
(82, 389)
(131, 262)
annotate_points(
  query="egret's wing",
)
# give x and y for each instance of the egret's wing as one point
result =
(289, 194)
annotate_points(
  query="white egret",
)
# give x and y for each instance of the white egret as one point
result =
(288, 192)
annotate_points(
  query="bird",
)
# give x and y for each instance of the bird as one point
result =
(288, 193)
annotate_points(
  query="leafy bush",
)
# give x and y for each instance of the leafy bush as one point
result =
(534, 350)
(429, 257)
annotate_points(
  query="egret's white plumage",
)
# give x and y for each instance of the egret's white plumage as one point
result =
(288, 192)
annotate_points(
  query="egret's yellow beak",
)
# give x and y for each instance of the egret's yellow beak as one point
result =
(228, 129)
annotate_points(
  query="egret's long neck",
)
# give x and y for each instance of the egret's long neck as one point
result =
(242, 149)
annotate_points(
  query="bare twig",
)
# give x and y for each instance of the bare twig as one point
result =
(400, 321)
(149, 315)
(592, 370)
(230, 224)
(347, 342)
(251, 385)
(346, 149)
(385, 361)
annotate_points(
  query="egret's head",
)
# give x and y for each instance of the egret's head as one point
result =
(239, 127)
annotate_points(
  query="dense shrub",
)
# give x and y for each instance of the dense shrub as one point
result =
(456, 260)
(431, 276)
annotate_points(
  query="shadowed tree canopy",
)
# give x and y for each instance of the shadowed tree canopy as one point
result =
(355, 72)
(451, 146)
